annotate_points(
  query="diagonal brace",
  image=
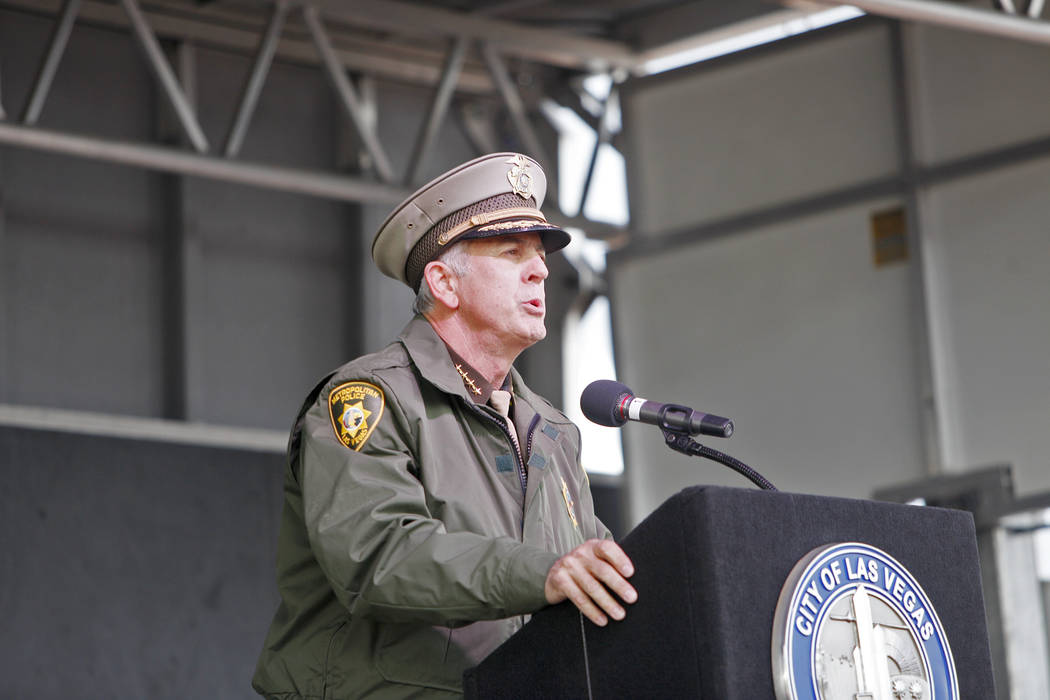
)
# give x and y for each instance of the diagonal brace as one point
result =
(252, 88)
(438, 108)
(59, 41)
(347, 95)
(165, 76)
(516, 107)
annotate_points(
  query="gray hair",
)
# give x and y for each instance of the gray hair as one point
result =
(456, 258)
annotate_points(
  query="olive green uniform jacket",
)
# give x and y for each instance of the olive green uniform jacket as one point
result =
(408, 559)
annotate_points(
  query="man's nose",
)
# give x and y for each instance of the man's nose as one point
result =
(537, 268)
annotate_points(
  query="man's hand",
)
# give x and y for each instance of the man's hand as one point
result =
(587, 574)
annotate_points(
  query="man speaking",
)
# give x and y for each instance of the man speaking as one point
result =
(431, 499)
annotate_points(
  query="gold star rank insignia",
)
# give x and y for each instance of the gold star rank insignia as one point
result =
(468, 380)
(355, 409)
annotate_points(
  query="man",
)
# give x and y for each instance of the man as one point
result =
(431, 499)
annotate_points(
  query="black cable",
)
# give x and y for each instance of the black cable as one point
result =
(680, 442)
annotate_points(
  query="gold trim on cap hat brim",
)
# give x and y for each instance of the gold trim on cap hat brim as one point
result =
(479, 220)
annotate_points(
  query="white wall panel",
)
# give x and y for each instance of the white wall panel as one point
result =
(786, 123)
(988, 241)
(973, 92)
(793, 333)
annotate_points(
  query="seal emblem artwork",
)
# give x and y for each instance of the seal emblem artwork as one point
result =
(853, 624)
(355, 409)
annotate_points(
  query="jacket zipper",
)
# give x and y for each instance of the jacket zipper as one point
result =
(516, 450)
(528, 435)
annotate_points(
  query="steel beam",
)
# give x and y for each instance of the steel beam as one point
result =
(963, 17)
(56, 48)
(256, 79)
(307, 182)
(347, 95)
(1035, 8)
(438, 108)
(217, 25)
(112, 425)
(542, 45)
(164, 75)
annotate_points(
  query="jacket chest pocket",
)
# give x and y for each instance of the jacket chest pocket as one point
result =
(553, 520)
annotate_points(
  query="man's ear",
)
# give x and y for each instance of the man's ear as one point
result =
(443, 283)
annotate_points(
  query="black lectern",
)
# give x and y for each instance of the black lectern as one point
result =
(710, 564)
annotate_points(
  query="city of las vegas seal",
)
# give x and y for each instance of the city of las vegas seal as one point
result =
(853, 624)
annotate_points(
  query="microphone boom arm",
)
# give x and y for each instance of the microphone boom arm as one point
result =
(681, 442)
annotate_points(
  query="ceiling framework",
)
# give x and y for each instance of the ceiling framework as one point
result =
(1009, 21)
(510, 54)
(447, 50)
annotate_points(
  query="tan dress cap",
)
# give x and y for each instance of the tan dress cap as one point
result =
(495, 195)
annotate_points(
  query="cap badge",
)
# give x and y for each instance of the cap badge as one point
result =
(519, 177)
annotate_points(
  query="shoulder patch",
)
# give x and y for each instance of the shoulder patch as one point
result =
(355, 409)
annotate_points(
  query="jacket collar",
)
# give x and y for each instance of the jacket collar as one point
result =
(478, 388)
(431, 357)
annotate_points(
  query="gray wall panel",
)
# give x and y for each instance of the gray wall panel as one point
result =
(989, 246)
(973, 92)
(133, 568)
(82, 237)
(792, 332)
(85, 293)
(724, 139)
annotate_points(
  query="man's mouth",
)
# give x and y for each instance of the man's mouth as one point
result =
(534, 305)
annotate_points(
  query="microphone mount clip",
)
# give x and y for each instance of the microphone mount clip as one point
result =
(680, 441)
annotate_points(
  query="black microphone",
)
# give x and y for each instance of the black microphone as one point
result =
(612, 404)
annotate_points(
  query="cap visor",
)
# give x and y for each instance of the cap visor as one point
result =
(553, 237)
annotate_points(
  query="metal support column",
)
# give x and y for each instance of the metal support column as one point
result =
(164, 75)
(46, 74)
(603, 134)
(182, 301)
(438, 108)
(347, 95)
(6, 292)
(925, 360)
(253, 86)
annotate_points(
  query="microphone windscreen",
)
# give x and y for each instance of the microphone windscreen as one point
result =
(600, 402)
